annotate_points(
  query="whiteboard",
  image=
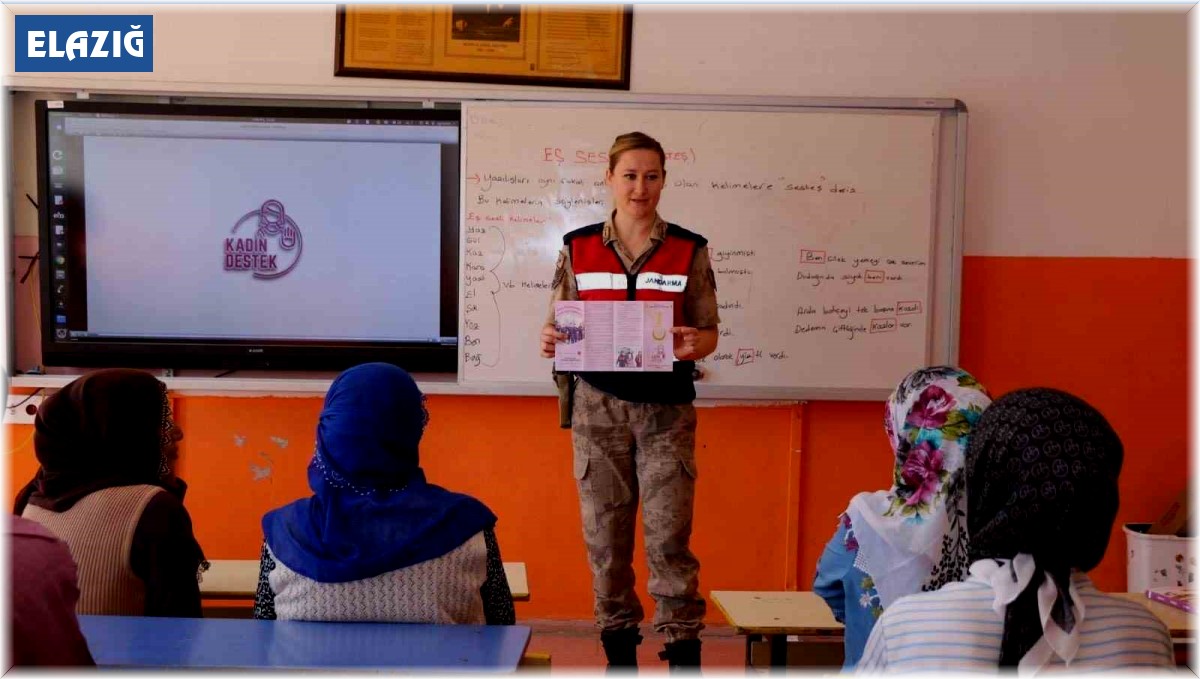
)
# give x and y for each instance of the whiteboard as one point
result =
(833, 234)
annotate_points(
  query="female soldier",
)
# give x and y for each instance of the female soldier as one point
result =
(636, 430)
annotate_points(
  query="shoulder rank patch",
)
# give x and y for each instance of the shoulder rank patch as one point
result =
(560, 270)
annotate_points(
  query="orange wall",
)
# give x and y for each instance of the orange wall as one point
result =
(1112, 330)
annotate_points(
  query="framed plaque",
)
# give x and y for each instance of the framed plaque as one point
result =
(560, 45)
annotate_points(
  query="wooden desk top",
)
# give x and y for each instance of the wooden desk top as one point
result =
(229, 579)
(1181, 623)
(518, 582)
(806, 614)
(802, 613)
(216, 643)
(238, 579)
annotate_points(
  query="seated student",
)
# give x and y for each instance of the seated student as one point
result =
(1041, 499)
(377, 542)
(891, 543)
(106, 485)
(45, 630)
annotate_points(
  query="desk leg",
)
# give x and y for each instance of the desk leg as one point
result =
(750, 639)
(778, 652)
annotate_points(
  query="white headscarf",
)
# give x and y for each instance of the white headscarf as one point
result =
(1008, 578)
(912, 537)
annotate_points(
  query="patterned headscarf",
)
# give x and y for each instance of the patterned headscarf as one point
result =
(911, 537)
(107, 428)
(371, 511)
(1042, 497)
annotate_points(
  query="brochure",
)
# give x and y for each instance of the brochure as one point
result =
(614, 336)
(1183, 598)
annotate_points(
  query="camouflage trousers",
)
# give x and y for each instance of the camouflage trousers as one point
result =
(623, 450)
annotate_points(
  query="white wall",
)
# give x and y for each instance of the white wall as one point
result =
(1077, 142)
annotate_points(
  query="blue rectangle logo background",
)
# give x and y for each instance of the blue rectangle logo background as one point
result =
(93, 53)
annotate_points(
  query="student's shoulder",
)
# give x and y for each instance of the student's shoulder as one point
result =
(953, 595)
(21, 528)
(165, 501)
(1100, 605)
(33, 541)
(164, 513)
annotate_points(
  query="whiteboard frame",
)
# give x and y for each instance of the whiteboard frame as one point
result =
(946, 240)
(948, 230)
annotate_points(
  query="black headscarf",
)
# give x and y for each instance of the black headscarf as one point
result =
(104, 429)
(1041, 480)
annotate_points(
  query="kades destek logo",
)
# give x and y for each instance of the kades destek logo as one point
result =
(265, 241)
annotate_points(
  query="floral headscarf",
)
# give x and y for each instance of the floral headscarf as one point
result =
(912, 537)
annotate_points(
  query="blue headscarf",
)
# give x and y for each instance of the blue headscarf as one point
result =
(372, 511)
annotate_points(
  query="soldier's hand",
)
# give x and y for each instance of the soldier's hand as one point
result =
(550, 335)
(685, 342)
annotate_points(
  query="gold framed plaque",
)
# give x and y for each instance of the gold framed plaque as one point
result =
(561, 45)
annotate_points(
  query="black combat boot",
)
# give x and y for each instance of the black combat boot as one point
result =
(682, 656)
(620, 647)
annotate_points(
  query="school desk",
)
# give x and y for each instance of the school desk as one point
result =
(777, 615)
(237, 579)
(1181, 624)
(206, 643)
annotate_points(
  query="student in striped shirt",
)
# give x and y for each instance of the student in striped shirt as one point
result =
(1041, 473)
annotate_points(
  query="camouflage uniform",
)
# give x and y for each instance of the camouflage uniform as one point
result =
(623, 450)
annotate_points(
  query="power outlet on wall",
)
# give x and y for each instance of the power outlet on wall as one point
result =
(23, 413)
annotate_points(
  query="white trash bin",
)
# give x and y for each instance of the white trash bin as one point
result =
(1158, 560)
